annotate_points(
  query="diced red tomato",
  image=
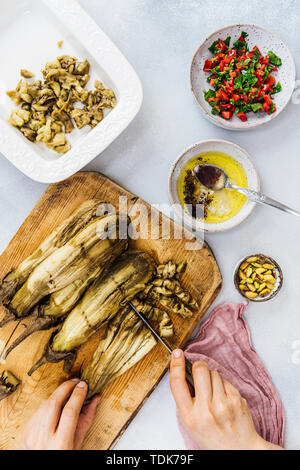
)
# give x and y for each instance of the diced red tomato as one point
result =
(267, 99)
(221, 95)
(242, 117)
(226, 106)
(227, 114)
(253, 91)
(207, 66)
(222, 65)
(270, 80)
(222, 46)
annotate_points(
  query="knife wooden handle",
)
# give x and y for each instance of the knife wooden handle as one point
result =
(189, 373)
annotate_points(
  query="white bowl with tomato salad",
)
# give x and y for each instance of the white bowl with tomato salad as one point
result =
(242, 76)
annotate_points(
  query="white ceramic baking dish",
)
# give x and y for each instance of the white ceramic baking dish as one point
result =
(29, 33)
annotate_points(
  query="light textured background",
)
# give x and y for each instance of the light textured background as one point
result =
(159, 38)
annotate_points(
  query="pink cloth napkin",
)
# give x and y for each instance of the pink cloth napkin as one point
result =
(224, 343)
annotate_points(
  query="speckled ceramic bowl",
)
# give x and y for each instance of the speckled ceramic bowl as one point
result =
(278, 284)
(266, 41)
(239, 155)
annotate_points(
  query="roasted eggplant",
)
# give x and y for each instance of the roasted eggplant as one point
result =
(65, 265)
(126, 342)
(127, 339)
(54, 310)
(100, 303)
(59, 237)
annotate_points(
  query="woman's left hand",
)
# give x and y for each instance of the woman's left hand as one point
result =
(61, 422)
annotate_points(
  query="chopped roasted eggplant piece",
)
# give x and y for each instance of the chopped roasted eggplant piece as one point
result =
(170, 270)
(26, 73)
(8, 384)
(167, 291)
(100, 303)
(155, 315)
(54, 101)
(171, 304)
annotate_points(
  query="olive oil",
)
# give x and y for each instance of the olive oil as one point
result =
(222, 205)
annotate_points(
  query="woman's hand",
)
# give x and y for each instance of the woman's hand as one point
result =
(61, 423)
(218, 418)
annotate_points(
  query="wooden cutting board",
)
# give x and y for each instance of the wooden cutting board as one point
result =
(123, 398)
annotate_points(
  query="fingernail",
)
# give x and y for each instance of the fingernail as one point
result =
(75, 379)
(81, 385)
(177, 353)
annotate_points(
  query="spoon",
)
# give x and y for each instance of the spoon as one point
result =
(214, 178)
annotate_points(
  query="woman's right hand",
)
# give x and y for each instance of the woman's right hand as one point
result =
(217, 418)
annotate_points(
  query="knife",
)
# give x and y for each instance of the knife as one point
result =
(188, 365)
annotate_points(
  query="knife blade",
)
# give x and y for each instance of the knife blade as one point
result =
(188, 365)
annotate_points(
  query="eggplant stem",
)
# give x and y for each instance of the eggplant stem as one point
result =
(37, 323)
(69, 361)
(54, 357)
(9, 316)
(37, 365)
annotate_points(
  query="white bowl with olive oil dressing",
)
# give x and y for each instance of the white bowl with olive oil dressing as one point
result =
(226, 210)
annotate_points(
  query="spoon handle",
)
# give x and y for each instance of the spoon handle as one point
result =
(261, 199)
